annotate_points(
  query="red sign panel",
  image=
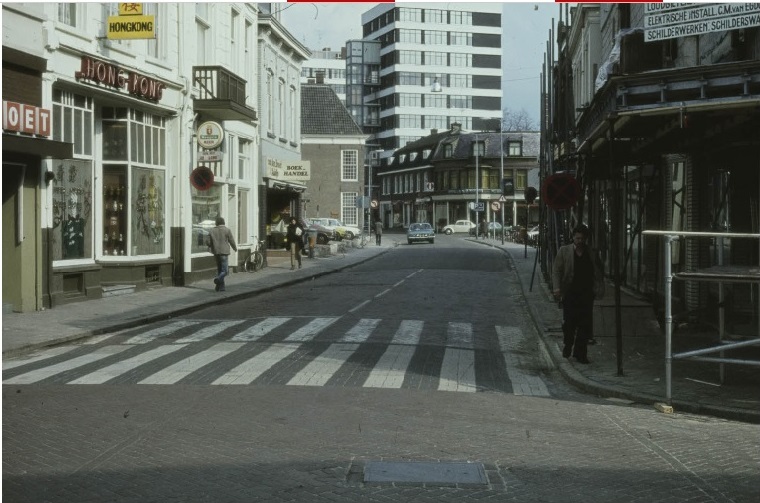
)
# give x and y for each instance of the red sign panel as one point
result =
(202, 178)
(26, 118)
(560, 191)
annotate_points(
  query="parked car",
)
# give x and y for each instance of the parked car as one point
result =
(324, 234)
(492, 227)
(420, 232)
(341, 230)
(459, 226)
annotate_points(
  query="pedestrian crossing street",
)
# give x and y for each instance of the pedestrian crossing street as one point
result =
(293, 351)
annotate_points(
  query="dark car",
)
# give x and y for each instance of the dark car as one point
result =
(420, 232)
(324, 235)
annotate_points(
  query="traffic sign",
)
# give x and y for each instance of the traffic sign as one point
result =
(560, 191)
(374, 203)
(503, 199)
(202, 178)
(495, 206)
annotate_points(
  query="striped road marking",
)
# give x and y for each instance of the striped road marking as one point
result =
(119, 368)
(458, 370)
(310, 330)
(321, 369)
(391, 368)
(248, 371)
(80, 361)
(184, 368)
(259, 330)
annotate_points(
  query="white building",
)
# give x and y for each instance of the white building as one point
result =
(111, 195)
(440, 64)
(328, 67)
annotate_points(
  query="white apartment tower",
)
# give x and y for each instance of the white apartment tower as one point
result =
(440, 63)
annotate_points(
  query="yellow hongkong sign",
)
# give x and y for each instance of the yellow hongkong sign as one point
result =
(130, 27)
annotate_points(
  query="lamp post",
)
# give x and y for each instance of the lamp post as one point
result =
(477, 176)
(501, 142)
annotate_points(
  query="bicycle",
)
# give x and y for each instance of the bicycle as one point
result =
(255, 260)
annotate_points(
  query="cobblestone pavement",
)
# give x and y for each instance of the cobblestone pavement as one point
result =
(107, 443)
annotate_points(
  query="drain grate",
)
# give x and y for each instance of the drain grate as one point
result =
(419, 472)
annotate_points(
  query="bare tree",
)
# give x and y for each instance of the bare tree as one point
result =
(518, 120)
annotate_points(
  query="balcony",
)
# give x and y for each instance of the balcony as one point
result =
(221, 94)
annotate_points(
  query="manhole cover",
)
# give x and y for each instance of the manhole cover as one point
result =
(419, 472)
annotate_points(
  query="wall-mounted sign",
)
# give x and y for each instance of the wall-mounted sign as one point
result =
(210, 135)
(211, 156)
(26, 118)
(294, 171)
(130, 27)
(110, 75)
(130, 9)
(668, 20)
(202, 178)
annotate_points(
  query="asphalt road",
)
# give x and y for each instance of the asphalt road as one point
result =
(423, 355)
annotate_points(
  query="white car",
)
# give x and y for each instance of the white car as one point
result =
(459, 226)
(341, 230)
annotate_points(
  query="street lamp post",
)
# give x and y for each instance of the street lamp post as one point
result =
(477, 176)
(501, 142)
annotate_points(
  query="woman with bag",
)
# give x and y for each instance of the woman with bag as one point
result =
(295, 242)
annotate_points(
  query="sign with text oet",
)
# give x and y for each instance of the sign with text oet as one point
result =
(290, 171)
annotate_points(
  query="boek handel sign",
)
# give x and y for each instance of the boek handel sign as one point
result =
(118, 78)
(291, 171)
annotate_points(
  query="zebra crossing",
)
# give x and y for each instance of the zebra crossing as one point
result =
(293, 351)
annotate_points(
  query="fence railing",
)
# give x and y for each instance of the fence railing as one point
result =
(720, 274)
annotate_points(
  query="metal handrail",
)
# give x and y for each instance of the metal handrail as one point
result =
(671, 236)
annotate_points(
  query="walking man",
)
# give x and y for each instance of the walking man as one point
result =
(220, 242)
(577, 279)
(378, 232)
(295, 242)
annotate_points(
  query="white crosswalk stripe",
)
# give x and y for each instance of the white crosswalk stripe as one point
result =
(458, 370)
(247, 372)
(150, 335)
(184, 368)
(319, 371)
(221, 363)
(80, 361)
(119, 368)
(522, 384)
(459, 335)
(361, 331)
(391, 368)
(312, 329)
(259, 330)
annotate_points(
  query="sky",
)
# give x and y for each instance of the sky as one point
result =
(525, 26)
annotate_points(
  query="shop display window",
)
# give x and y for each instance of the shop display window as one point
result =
(206, 207)
(147, 211)
(72, 210)
(115, 210)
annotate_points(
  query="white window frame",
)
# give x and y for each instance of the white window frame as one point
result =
(349, 165)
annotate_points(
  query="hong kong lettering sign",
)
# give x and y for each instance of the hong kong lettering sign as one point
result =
(111, 75)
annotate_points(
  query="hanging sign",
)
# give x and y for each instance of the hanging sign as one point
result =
(202, 178)
(210, 135)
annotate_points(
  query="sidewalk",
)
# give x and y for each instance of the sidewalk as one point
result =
(696, 386)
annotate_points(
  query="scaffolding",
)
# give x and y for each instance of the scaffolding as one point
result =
(717, 274)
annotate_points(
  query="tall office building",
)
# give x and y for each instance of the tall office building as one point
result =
(326, 66)
(440, 63)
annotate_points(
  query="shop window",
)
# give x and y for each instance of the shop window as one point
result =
(73, 120)
(206, 207)
(115, 210)
(72, 210)
(133, 195)
(147, 211)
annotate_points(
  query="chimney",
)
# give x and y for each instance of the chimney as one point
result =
(456, 127)
(433, 131)
(320, 76)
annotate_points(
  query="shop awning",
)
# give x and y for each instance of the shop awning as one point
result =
(42, 147)
(283, 185)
